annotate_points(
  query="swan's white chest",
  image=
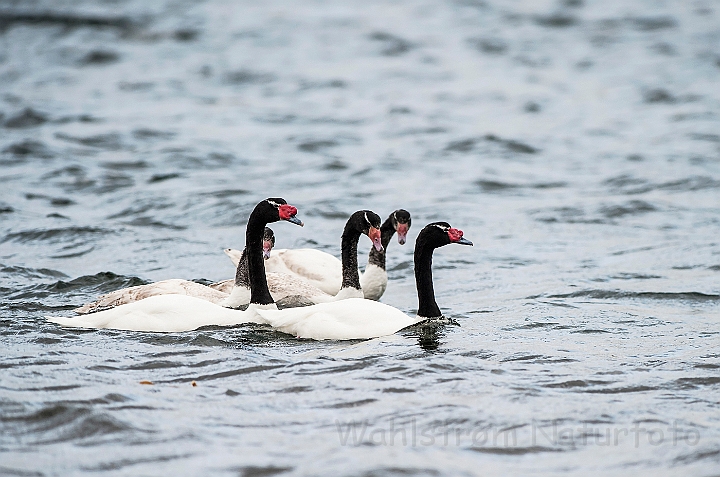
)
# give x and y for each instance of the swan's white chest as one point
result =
(373, 282)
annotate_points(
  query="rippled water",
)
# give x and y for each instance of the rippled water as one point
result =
(576, 143)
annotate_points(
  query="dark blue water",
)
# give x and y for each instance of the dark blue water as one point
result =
(576, 143)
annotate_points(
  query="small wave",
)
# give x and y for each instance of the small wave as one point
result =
(145, 134)
(577, 383)
(512, 145)
(515, 450)
(696, 382)
(28, 148)
(125, 165)
(150, 222)
(225, 193)
(253, 471)
(556, 20)
(225, 374)
(707, 366)
(392, 45)
(99, 57)
(530, 326)
(622, 390)
(627, 184)
(102, 282)
(522, 358)
(634, 276)
(27, 118)
(497, 186)
(490, 46)
(652, 23)
(398, 390)
(316, 145)
(348, 404)
(712, 454)
(33, 273)
(566, 215)
(634, 207)
(110, 141)
(163, 177)
(67, 20)
(247, 77)
(19, 472)
(55, 235)
(60, 423)
(122, 463)
(617, 294)
(305, 84)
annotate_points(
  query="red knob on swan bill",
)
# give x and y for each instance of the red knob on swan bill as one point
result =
(288, 212)
(456, 236)
(374, 235)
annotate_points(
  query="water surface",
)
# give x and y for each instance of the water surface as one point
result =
(576, 144)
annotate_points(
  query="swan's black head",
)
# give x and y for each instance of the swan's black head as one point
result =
(366, 222)
(275, 209)
(439, 234)
(268, 242)
(401, 222)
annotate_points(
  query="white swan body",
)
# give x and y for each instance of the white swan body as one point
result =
(354, 318)
(362, 319)
(373, 282)
(164, 313)
(289, 289)
(320, 269)
(325, 271)
(215, 293)
(179, 312)
(174, 286)
(313, 267)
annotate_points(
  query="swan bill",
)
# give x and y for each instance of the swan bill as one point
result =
(375, 236)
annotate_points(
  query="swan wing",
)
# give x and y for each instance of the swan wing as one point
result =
(224, 286)
(321, 269)
(140, 292)
(283, 285)
(162, 313)
(354, 318)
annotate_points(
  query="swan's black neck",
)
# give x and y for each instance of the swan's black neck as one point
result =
(427, 306)
(242, 274)
(350, 276)
(259, 292)
(387, 230)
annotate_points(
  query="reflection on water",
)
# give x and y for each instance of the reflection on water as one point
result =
(575, 142)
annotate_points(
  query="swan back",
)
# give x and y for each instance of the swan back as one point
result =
(174, 286)
(354, 318)
(162, 313)
(320, 269)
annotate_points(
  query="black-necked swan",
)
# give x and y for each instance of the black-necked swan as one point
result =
(215, 293)
(374, 279)
(169, 313)
(357, 318)
(324, 271)
(292, 290)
